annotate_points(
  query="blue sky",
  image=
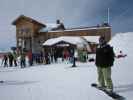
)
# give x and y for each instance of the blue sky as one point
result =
(72, 12)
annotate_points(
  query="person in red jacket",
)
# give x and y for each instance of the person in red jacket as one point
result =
(121, 55)
(30, 58)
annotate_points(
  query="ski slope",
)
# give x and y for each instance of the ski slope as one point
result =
(61, 82)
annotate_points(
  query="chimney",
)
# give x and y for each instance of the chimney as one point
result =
(57, 21)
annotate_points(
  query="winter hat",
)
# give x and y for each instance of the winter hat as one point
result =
(102, 40)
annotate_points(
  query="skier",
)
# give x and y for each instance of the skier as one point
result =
(75, 57)
(121, 55)
(55, 56)
(5, 58)
(30, 58)
(47, 60)
(14, 58)
(10, 56)
(22, 60)
(104, 61)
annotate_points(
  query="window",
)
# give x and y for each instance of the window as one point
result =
(24, 30)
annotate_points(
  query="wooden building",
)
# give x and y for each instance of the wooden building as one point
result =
(31, 34)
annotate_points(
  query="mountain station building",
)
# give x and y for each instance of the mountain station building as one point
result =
(34, 35)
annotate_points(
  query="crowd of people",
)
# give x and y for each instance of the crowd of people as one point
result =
(9, 59)
(14, 59)
(52, 56)
(27, 58)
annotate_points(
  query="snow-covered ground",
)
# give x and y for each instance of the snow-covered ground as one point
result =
(61, 82)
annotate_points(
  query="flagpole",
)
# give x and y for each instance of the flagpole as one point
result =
(108, 15)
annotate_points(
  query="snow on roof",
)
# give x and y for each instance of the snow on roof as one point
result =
(27, 19)
(49, 27)
(4, 51)
(50, 42)
(74, 29)
(93, 39)
(70, 39)
(89, 28)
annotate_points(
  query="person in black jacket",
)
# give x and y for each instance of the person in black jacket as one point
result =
(10, 56)
(104, 61)
(5, 59)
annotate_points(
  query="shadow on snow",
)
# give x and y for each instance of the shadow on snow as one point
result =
(124, 88)
(15, 82)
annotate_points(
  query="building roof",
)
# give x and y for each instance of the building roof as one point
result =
(59, 27)
(52, 27)
(27, 19)
(49, 27)
(80, 42)
(75, 29)
(69, 39)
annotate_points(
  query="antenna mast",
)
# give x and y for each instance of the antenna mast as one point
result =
(108, 15)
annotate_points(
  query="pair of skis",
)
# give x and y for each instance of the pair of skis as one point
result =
(113, 95)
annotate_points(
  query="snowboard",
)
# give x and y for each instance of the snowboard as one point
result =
(113, 95)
